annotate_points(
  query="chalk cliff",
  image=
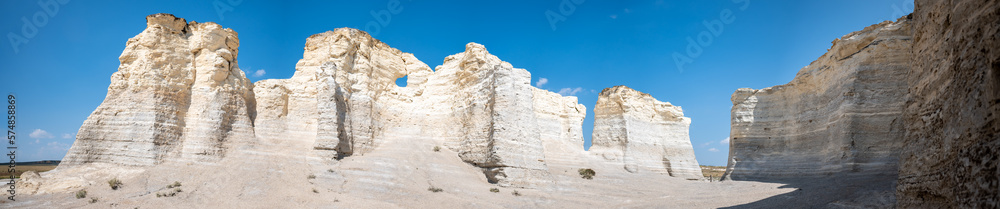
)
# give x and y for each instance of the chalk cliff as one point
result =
(179, 97)
(952, 120)
(343, 101)
(841, 113)
(642, 133)
(178, 94)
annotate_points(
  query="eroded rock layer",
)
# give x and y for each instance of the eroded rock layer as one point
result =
(952, 122)
(343, 101)
(178, 94)
(643, 134)
(560, 123)
(840, 114)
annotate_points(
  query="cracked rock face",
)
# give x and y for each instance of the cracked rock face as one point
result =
(952, 121)
(642, 133)
(841, 114)
(343, 101)
(178, 94)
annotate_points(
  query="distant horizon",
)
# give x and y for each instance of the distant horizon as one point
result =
(691, 54)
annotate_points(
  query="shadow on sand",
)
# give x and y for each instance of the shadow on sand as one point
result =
(840, 190)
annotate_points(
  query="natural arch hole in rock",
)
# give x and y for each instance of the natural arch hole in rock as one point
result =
(401, 82)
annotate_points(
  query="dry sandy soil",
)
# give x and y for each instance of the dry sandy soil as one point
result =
(396, 175)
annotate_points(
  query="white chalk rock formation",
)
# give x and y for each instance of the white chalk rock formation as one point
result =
(178, 94)
(343, 101)
(560, 125)
(643, 133)
(342, 96)
(490, 104)
(840, 114)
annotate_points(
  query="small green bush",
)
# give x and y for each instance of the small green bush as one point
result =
(434, 189)
(81, 194)
(515, 193)
(175, 184)
(437, 148)
(93, 200)
(311, 176)
(114, 183)
(494, 190)
(587, 173)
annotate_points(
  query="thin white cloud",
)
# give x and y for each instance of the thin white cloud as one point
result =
(724, 141)
(40, 134)
(628, 11)
(67, 136)
(713, 150)
(614, 16)
(570, 91)
(706, 144)
(57, 146)
(541, 82)
(259, 73)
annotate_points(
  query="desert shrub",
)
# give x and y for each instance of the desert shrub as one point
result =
(434, 189)
(311, 176)
(114, 183)
(315, 191)
(175, 184)
(169, 194)
(437, 148)
(81, 194)
(93, 200)
(587, 173)
(515, 193)
(494, 190)
(329, 170)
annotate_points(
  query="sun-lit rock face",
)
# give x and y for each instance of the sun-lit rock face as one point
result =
(343, 96)
(343, 101)
(491, 103)
(178, 94)
(560, 125)
(839, 114)
(642, 133)
(951, 149)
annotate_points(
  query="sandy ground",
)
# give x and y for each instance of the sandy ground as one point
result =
(396, 175)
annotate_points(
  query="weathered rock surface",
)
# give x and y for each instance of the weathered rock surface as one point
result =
(560, 122)
(342, 96)
(840, 114)
(492, 102)
(178, 94)
(952, 120)
(343, 101)
(643, 134)
(180, 98)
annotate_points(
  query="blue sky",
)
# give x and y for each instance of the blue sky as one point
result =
(62, 71)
